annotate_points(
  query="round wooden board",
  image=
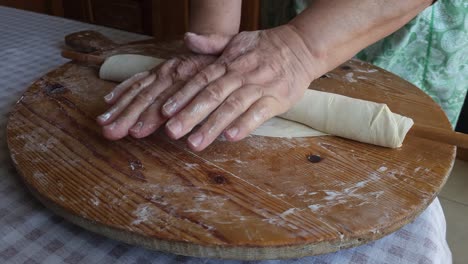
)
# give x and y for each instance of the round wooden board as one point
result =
(259, 198)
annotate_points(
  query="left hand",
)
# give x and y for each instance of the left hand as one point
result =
(259, 75)
(136, 102)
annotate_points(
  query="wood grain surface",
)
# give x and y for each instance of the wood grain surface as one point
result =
(260, 198)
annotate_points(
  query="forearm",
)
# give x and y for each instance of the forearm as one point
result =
(215, 16)
(335, 30)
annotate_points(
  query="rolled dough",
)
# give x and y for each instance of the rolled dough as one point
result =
(346, 117)
(120, 67)
(280, 127)
(316, 114)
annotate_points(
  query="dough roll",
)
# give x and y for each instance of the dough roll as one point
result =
(351, 118)
(120, 67)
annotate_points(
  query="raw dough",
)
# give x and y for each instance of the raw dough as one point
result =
(346, 117)
(280, 127)
(317, 111)
(121, 67)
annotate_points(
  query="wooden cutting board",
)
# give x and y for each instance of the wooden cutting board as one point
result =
(260, 198)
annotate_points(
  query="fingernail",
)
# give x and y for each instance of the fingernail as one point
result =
(174, 126)
(137, 127)
(104, 117)
(190, 34)
(232, 132)
(109, 97)
(170, 107)
(195, 139)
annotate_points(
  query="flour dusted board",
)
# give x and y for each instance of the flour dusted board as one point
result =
(255, 199)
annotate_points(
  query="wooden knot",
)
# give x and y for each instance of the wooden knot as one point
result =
(314, 158)
(54, 88)
(219, 179)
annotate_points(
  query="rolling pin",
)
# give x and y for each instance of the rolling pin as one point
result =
(83, 57)
(440, 135)
(89, 41)
(427, 132)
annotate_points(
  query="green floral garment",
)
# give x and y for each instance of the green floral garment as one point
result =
(431, 51)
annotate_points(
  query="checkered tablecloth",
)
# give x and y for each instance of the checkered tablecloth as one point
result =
(29, 233)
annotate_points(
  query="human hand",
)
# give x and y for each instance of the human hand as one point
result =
(136, 102)
(259, 75)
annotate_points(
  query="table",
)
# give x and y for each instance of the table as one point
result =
(31, 234)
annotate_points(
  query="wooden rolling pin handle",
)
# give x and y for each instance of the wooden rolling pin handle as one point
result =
(89, 41)
(82, 57)
(440, 135)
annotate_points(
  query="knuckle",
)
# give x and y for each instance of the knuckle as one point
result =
(184, 70)
(223, 66)
(168, 66)
(258, 91)
(234, 104)
(262, 113)
(136, 85)
(178, 96)
(174, 62)
(254, 92)
(176, 75)
(143, 82)
(202, 78)
(214, 93)
(144, 98)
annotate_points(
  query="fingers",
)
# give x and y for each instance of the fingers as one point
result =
(124, 100)
(137, 101)
(236, 104)
(129, 116)
(203, 104)
(195, 85)
(151, 119)
(114, 95)
(212, 44)
(262, 110)
(160, 70)
(124, 113)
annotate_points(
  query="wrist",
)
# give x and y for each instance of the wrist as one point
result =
(312, 57)
(210, 31)
(207, 44)
(213, 17)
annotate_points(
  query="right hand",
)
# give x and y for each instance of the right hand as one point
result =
(136, 102)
